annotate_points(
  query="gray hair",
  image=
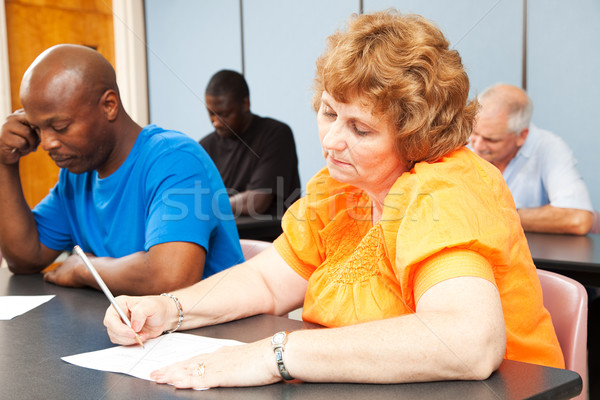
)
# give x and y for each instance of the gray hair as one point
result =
(519, 108)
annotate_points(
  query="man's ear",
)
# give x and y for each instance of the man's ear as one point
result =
(246, 104)
(110, 104)
(522, 136)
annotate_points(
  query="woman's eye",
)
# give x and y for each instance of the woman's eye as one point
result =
(327, 111)
(360, 132)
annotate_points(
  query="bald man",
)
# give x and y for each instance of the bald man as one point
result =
(538, 166)
(147, 204)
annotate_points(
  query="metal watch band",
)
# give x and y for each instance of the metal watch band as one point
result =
(278, 341)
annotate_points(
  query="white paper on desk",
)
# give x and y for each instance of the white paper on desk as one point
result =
(158, 352)
(12, 306)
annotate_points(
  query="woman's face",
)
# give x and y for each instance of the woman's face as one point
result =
(358, 146)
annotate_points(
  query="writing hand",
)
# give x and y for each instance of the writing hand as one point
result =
(148, 316)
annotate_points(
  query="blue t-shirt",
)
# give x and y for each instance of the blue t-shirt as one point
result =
(168, 189)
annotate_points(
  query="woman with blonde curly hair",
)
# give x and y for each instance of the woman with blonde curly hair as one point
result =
(407, 246)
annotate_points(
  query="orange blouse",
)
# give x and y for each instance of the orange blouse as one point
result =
(451, 218)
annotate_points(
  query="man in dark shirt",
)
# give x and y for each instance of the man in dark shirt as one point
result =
(256, 156)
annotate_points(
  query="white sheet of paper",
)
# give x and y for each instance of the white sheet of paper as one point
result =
(12, 306)
(158, 352)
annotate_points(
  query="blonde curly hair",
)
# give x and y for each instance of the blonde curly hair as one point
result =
(402, 67)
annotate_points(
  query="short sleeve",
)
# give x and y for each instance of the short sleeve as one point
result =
(562, 180)
(301, 244)
(448, 264)
(183, 205)
(52, 221)
(460, 204)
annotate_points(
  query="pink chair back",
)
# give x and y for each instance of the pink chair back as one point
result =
(251, 247)
(596, 224)
(567, 302)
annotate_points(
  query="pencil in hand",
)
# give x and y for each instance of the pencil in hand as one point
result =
(106, 291)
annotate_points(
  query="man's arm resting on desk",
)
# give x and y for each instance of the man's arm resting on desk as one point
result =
(164, 268)
(251, 202)
(550, 219)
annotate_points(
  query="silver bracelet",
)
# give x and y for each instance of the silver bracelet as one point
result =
(178, 305)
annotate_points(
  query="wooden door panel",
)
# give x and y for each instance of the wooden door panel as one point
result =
(32, 27)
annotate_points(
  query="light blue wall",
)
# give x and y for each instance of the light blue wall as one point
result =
(189, 40)
(564, 78)
(282, 42)
(487, 34)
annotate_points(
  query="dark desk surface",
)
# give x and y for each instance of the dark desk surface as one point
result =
(31, 346)
(574, 256)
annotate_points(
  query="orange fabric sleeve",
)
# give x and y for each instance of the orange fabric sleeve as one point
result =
(285, 250)
(450, 263)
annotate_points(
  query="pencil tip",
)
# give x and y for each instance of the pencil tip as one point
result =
(139, 340)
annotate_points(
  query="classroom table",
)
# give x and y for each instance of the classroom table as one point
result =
(71, 323)
(260, 227)
(575, 256)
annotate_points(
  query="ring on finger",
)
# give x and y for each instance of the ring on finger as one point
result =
(199, 369)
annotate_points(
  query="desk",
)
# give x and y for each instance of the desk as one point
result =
(575, 256)
(31, 346)
(262, 227)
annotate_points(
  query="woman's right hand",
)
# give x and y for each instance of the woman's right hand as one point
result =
(149, 317)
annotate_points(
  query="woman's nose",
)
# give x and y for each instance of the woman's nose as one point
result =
(334, 138)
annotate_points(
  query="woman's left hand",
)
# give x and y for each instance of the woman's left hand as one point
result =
(250, 364)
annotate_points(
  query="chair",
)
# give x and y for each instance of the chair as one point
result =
(596, 224)
(251, 247)
(567, 302)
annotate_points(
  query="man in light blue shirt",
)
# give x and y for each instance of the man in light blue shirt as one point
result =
(538, 166)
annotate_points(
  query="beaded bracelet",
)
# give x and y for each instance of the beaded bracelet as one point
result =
(178, 305)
